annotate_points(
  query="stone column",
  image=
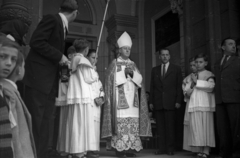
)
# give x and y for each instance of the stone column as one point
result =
(187, 33)
(14, 9)
(213, 27)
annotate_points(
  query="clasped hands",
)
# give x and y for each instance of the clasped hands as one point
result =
(129, 71)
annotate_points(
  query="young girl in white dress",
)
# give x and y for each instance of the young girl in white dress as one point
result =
(201, 109)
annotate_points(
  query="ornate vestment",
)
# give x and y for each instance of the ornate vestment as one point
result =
(115, 100)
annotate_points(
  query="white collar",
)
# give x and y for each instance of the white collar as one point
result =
(11, 82)
(167, 64)
(121, 59)
(10, 37)
(64, 20)
(79, 54)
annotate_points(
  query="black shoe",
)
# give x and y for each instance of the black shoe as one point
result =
(121, 154)
(159, 152)
(92, 154)
(131, 155)
(170, 153)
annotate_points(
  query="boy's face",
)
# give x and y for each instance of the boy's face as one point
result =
(193, 67)
(93, 58)
(201, 64)
(8, 59)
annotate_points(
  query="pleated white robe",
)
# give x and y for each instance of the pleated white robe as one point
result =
(79, 133)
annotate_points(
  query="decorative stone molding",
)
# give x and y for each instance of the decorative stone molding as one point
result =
(14, 10)
(121, 20)
(177, 6)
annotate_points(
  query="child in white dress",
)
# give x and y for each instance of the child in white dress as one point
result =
(187, 87)
(80, 100)
(61, 101)
(201, 108)
(98, 94)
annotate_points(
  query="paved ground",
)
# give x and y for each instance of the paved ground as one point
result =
(146, 154)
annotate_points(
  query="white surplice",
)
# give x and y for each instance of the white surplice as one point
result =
(80, 135)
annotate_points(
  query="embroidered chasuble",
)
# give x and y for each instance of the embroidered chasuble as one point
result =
(125, 106)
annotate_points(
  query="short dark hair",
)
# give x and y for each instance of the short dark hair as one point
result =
(5, 42)
(69, 6)
(71, 50)
(202, 55)
(164, 49)
(80, 44)
(191, 59)
(91, 51)
(225, 39)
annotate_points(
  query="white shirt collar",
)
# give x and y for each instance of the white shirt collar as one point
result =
(10, 37)
(166, 65)
(11, 82)
(64, 20)
(121, 59)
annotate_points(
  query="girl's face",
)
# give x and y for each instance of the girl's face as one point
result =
(93, 58)
(193, 67)
(201, 64)
(8, 59)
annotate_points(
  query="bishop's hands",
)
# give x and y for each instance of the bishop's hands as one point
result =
(128, 72)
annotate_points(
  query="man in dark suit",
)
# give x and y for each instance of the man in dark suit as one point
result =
(165, 97)
(227, 94)
(42, 69)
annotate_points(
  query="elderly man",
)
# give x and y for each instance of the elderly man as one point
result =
(125, 115)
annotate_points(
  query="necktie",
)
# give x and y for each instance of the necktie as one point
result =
(164, 70)
(224, 61)
(65, 32)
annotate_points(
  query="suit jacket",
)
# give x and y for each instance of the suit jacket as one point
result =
(47, 47)
(227, 88)
(165, 92)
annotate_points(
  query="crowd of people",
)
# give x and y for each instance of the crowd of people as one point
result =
(68, 87)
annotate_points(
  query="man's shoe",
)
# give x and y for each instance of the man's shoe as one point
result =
(170, 153)
(131, 155)
(159, 152)
(120, 154)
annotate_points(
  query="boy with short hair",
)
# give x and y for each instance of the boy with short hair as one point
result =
(8, 57)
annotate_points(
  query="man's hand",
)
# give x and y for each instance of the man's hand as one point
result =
(151, 107)
(64, 60)
(177, 105)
